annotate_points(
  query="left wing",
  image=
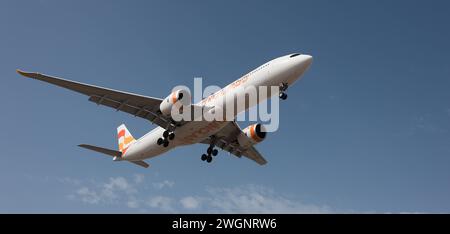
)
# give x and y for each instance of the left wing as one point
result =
(135, 104)
(226, 139)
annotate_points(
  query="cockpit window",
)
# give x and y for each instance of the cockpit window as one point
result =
(294, 55)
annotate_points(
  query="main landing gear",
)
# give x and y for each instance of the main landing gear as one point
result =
(283, 88)
(167, 135)
(210, 151)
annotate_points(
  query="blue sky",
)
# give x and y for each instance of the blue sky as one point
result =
(366, 130)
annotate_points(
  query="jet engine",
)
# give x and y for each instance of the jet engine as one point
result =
(252, 135)
(181, 97)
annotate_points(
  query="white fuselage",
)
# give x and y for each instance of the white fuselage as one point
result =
(286, 69)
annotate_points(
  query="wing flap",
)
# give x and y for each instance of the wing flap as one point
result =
(128, 107)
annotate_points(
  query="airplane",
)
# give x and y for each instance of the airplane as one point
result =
(226, 135)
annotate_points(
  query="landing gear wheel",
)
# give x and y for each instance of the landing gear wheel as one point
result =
(214, 152)
(171, 136)
(204, 157)
(160, 141)
(166, 134)
(209, 150)
(166, 143)
(283, 96)
(209, 159)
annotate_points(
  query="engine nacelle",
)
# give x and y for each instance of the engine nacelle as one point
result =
(252, 135)
(183, 97)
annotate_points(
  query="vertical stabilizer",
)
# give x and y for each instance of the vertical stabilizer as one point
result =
(125, 139)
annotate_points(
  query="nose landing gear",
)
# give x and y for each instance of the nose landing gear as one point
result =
(283, 88)
(167, 135)
(210, 152)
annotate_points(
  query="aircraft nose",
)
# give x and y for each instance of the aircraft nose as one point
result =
(306, 60)
(302, 62)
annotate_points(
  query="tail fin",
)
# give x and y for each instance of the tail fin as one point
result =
(125, 139)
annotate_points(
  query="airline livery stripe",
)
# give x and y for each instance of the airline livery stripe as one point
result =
(253, 134)
(121, 133)
(124, 151)
(128, 140)
(125, 142)
(174, 97)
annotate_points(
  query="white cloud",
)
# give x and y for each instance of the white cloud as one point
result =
(138, 178)
(161, 202)
(88, 196)
(107, 192)
(164, 184)
(428, 124)
(241, 199)
(118, 183)
(70, 181)
(190, 203)
(119, 190)
(256, 199)
(133, 203)
(247, 199)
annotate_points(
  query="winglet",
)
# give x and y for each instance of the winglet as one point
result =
(27, 74)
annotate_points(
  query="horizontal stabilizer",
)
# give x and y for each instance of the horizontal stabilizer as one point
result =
(141, 163)
(112, 153)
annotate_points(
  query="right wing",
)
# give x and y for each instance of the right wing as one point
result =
(135, 104)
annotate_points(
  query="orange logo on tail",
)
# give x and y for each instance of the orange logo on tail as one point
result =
(124, 137)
